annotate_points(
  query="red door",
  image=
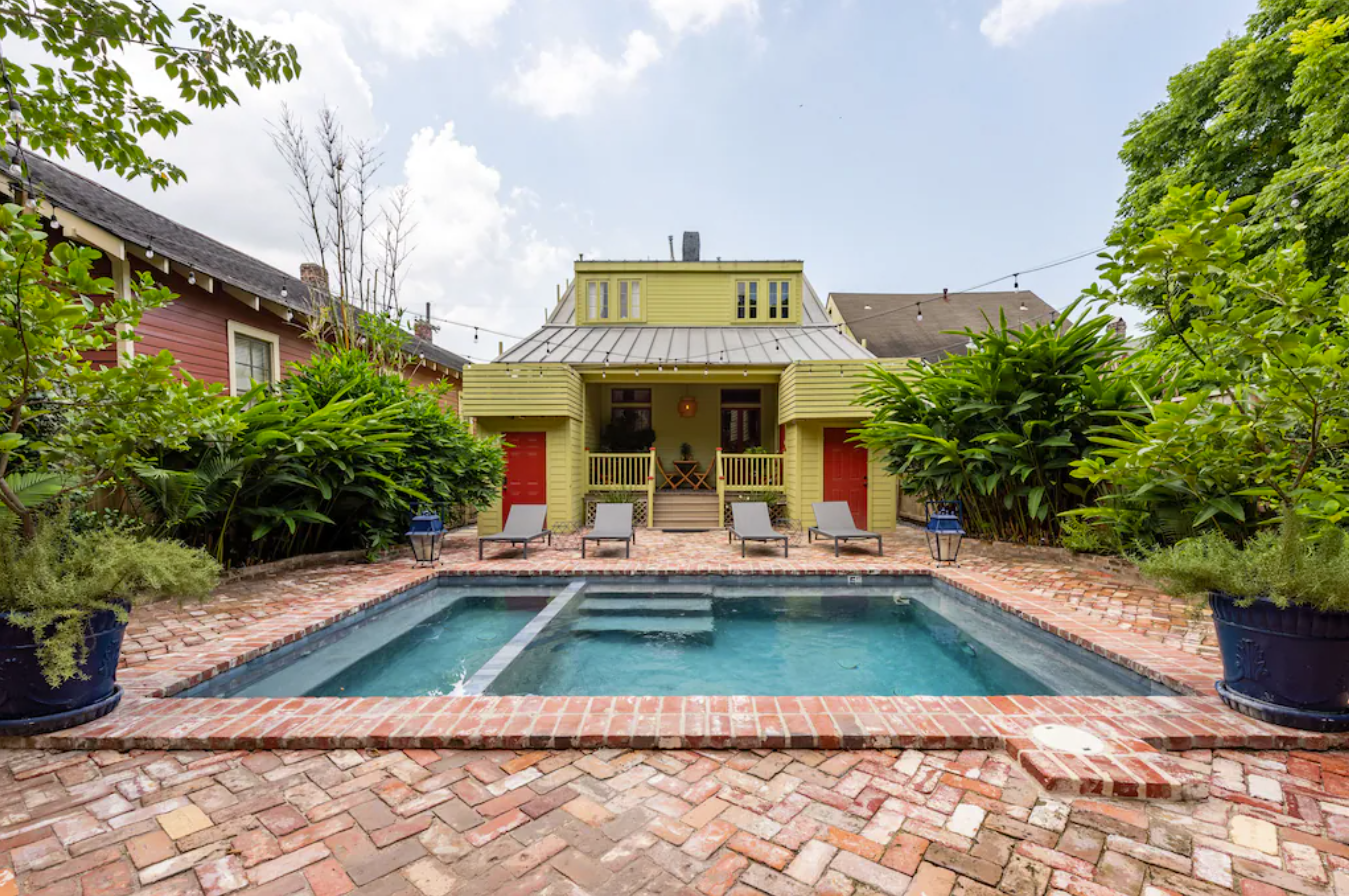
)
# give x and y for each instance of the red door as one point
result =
(526, 471)
(845, 473)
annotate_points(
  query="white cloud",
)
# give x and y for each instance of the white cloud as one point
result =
(1011, 20)
(699, 15)
(406, 28)
(569, 80)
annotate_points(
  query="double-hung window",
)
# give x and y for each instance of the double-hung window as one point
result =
(779, 299)
(747, 300)
(253, 357)
(597, 299)
(629, 300)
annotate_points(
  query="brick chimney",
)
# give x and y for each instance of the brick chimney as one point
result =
(1120, 327)
(422, 328)
(692, 246)
(314, 276)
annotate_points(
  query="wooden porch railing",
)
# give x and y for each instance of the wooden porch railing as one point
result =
(619, 472)
(748, 473)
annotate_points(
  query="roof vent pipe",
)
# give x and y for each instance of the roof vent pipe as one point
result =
(672, 255)
(692, 246)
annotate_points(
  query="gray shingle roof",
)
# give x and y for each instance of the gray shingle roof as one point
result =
(139, 225)
(561, 342)
(898, 334)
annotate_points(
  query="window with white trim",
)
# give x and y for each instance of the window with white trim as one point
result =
(254, 357)
(746, 300)
(779, 299)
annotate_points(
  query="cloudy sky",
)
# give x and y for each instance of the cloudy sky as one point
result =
(894, 145)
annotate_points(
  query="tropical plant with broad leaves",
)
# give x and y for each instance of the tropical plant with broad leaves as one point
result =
(1001, 426)
(335, 457)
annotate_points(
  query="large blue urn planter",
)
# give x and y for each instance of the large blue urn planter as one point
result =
(1287, 667)
(29, 706)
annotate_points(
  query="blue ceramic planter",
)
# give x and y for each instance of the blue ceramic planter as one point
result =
(28, 705)
(1284, 666)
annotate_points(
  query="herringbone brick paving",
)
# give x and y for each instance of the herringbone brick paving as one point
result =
(613, 822)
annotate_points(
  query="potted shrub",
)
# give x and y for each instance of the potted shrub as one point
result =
(68, 426)
(685, 451)
(65, 599)
(1251, 447)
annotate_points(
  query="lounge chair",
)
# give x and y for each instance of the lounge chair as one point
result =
(750, 522)
(525, 524)
(833, 519)
(613, 522)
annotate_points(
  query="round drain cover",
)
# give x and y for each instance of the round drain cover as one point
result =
(1066, 739)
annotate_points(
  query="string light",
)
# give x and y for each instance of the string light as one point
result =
(192, 277)
(284, 292)
(149, 251)
(920, 314)
(15, 113)
(475, 334)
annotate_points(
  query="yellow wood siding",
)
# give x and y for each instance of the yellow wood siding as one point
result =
(692, 294)
(825, 390)
(564, 436)
(522, 390)
(805, 476)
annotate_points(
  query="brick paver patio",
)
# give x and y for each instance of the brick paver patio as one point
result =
(668, 822)
(971, 816)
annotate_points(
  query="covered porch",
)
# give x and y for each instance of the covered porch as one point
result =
(683, 445)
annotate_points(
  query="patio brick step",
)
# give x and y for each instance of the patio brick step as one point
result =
(647, 625)
(662, 606)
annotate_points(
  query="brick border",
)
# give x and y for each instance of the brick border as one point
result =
(1137, 729)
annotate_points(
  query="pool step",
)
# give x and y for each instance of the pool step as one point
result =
(647, 606)
(692, 626)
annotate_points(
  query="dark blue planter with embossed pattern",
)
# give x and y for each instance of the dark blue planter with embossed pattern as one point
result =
(28, 705)
(1284, 666)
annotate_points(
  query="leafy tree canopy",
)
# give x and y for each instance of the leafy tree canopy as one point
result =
(81, 98)
(1265, 115)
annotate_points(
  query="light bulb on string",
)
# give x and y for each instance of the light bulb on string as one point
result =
(192, 278)
(285, 293)
(149, 251)
(920, 314)
(15, 113)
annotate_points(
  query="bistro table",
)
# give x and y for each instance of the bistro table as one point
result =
(687, 474)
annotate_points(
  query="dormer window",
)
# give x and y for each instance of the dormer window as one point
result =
(597, 299)
(629, 300)
(747, 299)
(779, 299)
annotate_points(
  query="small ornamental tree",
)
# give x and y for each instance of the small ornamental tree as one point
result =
(1255, 427)
(66, 423)
(1255, 423)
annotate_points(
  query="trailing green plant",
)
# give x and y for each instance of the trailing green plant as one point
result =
(1293, 564)
(335, 457)
(55, 582)
(1000, 426)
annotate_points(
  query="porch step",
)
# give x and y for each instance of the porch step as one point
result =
(664, 606)
(694, 626)
(685, 510)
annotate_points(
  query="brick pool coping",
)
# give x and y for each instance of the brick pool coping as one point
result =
(1138, 730)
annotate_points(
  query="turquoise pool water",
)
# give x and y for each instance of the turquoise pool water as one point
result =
(682, 636)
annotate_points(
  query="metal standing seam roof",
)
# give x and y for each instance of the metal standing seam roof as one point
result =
(562, 342)
(140, 226)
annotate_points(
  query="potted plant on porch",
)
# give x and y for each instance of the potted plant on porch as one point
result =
(67, 429)
(1252, 441)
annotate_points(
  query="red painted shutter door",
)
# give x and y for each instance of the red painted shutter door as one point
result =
(526, 471)
(845, 473)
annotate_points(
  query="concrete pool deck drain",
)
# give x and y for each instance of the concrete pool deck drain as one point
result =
(1139, 733)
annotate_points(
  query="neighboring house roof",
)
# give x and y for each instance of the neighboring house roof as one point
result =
(889, 321)
(562, 342)
(139, 225)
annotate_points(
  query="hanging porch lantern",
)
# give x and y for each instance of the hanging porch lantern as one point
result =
(688, 406)
(945, 530)
(425, 536)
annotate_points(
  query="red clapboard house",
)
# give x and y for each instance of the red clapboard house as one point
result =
(236, 321)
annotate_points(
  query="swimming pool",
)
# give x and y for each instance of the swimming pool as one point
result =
(682, 635)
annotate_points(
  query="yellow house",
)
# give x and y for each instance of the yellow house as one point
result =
(684, 385)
